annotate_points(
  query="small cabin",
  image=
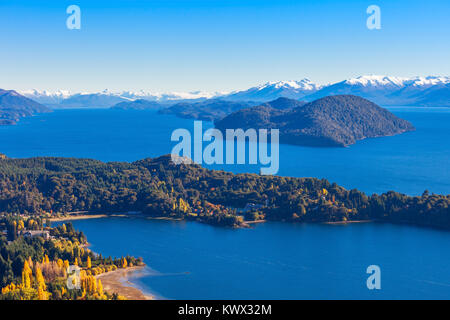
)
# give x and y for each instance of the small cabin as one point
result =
(32, 234)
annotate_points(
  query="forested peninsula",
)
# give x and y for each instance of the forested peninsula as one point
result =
(50, 187)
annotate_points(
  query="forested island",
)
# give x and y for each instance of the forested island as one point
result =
(50, 187)
(333, 121)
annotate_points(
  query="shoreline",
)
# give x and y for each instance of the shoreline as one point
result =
(249, 224)
(84, 216)
(119, 281)
(348, 222)
(78, 217)
(164, 218)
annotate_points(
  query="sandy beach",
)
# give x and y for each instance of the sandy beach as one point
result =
(78, 217)
(118, 281)
(83, 216)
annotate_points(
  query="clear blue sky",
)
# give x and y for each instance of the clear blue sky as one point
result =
(216, 45)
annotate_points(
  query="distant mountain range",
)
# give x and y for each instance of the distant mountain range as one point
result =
(387, 91)
(14, 106)
(392, 91)
(384, 90)
(107, 99)
(208, 110)
(216, 109)
(273, 90)
(334, 121)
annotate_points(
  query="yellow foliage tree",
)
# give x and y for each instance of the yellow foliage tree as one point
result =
(40, 279)
(9, 288)
(100, 287)
(42, 294)
(27, 274)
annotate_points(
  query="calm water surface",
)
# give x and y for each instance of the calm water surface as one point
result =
(274, 260)
(279, 260)
(408, 163)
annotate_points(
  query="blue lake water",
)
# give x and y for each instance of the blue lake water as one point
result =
(278, 260)
(408, 163)
(274, 260)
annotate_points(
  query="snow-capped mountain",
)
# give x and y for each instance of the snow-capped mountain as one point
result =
(168, 97)
(273, 90)
(106, 98)
(46, 97)
(385, 90)
(386, 81)
(376, 81)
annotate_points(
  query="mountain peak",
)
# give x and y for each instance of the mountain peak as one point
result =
(304, 84)
(386, 81)
(377, 80)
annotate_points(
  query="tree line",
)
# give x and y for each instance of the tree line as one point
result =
(45, 187)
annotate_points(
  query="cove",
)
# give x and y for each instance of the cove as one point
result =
(189, 260)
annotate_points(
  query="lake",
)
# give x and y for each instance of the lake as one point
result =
(278, 260)
(408, 163)
(273, 260)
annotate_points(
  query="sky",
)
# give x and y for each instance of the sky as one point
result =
(212, 45)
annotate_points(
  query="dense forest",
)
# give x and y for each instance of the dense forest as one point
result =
(47, 187)
(36, 267)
